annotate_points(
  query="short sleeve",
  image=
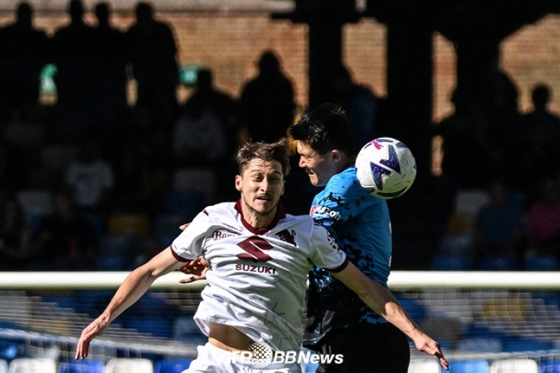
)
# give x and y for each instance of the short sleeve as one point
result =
(188, 245)
(326, 253)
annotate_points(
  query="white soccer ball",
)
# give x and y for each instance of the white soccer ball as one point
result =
(386, 168)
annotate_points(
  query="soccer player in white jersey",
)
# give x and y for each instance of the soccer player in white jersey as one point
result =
(259, 258)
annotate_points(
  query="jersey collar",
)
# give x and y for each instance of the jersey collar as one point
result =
(280, 214)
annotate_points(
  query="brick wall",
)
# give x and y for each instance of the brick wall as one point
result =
(230, 44)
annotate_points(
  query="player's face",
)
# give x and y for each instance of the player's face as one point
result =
(261, 185)
(319, 167)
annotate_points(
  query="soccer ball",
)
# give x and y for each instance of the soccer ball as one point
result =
(386, 168)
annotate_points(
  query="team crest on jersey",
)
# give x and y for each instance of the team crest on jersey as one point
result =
(254, 248)
(287, 236)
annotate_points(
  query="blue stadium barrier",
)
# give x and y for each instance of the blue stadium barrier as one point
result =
(550, 366)
(451, 263)
(498, 263)
(172, 366)
(469, 366)
(9, 350)
(81, 366)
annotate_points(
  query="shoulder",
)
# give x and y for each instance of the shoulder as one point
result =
(346, 184)
(220, 210)
(304, 227)
(298, 220)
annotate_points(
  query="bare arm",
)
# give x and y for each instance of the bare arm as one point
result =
(380, 300)
(133, 287)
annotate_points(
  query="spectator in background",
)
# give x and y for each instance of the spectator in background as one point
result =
(74, 58)
(503, 123)
(539, 140)
(110, 81)
(13, 166)
(469, 159)
(359, 102)
(499, 228)
(23, 54)
(543, 221)
(132, 191)
(152, 52)
(541, 115)
(65, 240)
(266, 106)
(199, 138)
(15, 235)
(90, 178)
(221, 104)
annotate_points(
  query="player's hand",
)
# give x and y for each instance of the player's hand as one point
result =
(197, 268)
(97, 327)
(184, 226)
(426, 344)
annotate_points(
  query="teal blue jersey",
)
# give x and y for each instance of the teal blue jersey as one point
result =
(361, 226)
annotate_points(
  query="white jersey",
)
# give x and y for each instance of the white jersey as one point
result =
(257, 277)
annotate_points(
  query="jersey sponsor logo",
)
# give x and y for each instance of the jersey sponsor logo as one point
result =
(324, 210)
(287, 236)
(254, 247)
(255, 268)
(313, 208)
(218, 235)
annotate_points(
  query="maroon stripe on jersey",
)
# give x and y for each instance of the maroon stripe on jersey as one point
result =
(280, 214)
(177, 256)
(340, 267)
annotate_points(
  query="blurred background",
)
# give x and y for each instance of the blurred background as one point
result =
(119, 121)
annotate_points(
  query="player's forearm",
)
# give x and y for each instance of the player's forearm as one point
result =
(133, 287)
(380, 300)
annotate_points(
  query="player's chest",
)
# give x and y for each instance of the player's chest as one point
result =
(275, 249)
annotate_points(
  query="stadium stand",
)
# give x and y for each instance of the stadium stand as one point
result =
(125, 365)
(514, 366)
(31, 365)
(172, 366)
(424, 366)
(81, 366)
(469, 366)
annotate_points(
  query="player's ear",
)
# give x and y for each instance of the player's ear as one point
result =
(283, 187)
(238, 181)
(336, 155)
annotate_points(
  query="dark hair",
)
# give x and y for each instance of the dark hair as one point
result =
(269, 61)
(324, 129)
(277, 151)
(541, 94)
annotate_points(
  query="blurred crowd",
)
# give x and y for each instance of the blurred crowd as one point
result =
(97, 181)
(505, 164)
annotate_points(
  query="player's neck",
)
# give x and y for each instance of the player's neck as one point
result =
(258, 220)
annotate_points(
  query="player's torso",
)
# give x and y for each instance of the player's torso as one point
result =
(364, 234)
(265, 271)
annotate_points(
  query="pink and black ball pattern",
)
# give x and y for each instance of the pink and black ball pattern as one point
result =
(391, 168)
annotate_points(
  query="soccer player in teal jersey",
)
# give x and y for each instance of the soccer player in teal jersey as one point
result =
(338, 321)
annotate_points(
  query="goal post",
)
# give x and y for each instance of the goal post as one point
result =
(398, 281)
